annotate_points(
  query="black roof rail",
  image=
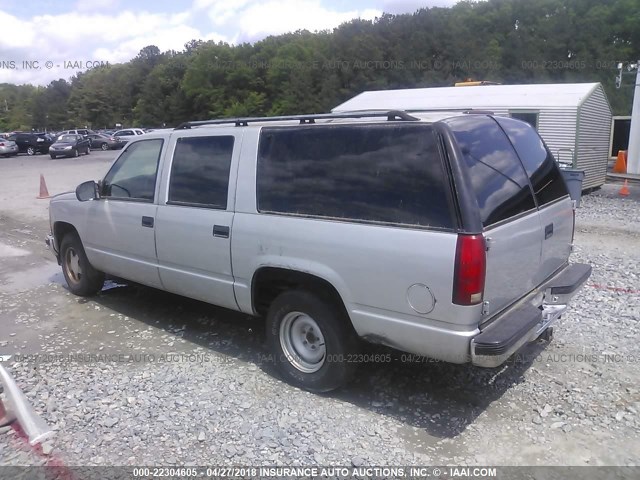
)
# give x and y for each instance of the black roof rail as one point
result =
(303, 119)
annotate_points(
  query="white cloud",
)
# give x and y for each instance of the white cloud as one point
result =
(410, 6)
(169, 38)
(115, 31)
(280, 16)
(94, 37)
(221, 11)
(15, 33)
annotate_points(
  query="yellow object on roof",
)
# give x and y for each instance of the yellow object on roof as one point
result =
(474, 83)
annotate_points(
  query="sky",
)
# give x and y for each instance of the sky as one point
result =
(45, 40)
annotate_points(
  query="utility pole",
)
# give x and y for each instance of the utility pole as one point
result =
(633, 152)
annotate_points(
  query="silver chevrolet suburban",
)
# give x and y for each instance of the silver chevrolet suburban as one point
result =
(442, 234)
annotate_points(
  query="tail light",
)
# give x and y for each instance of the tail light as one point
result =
(470, 270)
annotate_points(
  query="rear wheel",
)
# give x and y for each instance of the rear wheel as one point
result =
(311, 340)
(81, 277)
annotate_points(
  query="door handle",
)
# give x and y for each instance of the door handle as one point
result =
(548, 231)
(221, 231)
(147, 222)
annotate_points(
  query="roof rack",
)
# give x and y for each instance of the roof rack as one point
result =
(303, 119)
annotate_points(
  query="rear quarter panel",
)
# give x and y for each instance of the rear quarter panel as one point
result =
(371, 266)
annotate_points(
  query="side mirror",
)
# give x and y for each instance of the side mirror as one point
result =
(87, 191)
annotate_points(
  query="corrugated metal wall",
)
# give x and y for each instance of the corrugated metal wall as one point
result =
(557, 127)
(594, 130)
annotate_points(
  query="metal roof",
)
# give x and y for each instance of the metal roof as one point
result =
(552, 95)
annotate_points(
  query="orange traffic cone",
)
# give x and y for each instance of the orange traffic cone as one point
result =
(44, 193)
(621, 163)
(624, 191)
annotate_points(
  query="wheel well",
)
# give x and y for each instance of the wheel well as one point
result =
(60, 229)
(269, 282)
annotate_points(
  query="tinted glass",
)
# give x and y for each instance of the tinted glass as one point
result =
(134, 173)
(200, 171)
(496, 174)
(379, 173)
(540, 165)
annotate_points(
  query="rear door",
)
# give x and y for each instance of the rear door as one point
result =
(510, 221)
(552, 197)
(194, 222)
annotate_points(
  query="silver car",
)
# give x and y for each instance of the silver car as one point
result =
(8, 148)
(128, 134)
(439, 234)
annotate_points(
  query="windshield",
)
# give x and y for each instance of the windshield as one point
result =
(67, 138)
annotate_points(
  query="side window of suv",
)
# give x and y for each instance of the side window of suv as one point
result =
(372, 173)
(497, 177)
(133, 176)
(200, 171)
(540, 165)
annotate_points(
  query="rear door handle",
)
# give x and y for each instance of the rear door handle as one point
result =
(548, 231)
(147, 222)
(221, 231)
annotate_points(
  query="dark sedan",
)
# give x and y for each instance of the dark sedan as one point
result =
(105, 142)
(70, 145)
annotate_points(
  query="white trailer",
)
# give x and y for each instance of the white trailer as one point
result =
(574, 119)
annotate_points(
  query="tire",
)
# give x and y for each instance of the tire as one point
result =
(81, 277)
(297, 322)
(88, 150)
(104, 147)
(53, 157)
(31, 151)
(76, 153)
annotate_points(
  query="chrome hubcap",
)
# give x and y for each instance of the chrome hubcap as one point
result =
(72, 263)
(302, 342)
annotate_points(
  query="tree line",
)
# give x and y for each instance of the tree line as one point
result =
(505, 41)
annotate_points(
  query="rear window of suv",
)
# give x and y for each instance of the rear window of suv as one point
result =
(371, 173)
(497, 177)
(540, 165)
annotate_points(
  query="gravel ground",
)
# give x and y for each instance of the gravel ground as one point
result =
(575, 401)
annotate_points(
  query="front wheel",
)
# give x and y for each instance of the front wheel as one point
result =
(53, 157)
(76, 153)
(104, 147)
(312, 341)
(88, 150)
(31, 151)
(81, 277)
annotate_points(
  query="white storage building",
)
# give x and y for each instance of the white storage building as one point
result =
(574, 119)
